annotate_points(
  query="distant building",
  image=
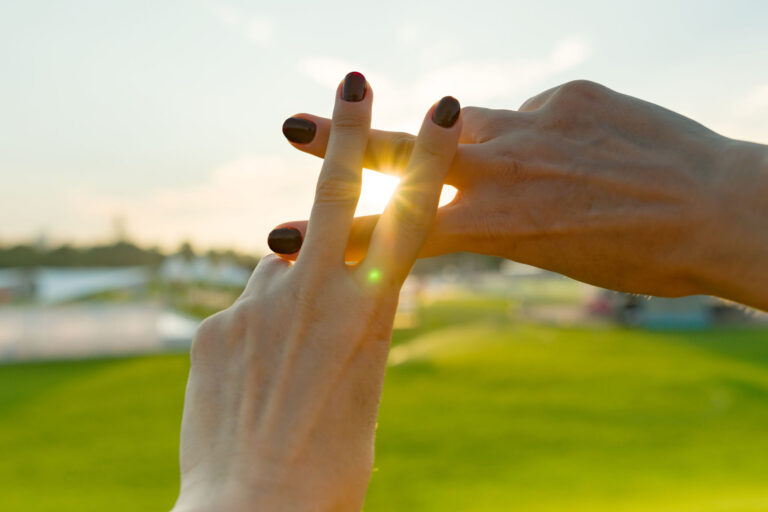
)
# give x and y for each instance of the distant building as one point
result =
(14, 284)
(52, 285)
(91, 330)
(179, 269)
(60, 284)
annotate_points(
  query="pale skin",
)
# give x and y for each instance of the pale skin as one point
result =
(599, 186)
(284, 386)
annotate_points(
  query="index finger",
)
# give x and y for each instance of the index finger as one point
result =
(386, 151)
(338, 186)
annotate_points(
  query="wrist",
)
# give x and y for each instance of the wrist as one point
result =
(732, 236)
(230, 495)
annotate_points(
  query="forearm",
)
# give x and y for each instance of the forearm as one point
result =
(733, 261)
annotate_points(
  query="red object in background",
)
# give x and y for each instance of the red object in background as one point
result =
(600, 306)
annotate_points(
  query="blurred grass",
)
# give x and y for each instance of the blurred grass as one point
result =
(481, 414)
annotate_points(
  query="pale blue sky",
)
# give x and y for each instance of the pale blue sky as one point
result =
(168, 113)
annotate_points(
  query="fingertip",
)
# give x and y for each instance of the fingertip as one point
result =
(354, 88)
(446, 112)
(299, 129)
(285, 240)
(321, 128)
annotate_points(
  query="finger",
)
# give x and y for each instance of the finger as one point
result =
(338, 186)
(357, 243)
(386, 151)
(389, 152)
(403, 227)
(437, 242)
(269, 266)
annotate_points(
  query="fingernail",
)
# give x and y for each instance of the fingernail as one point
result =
(299, 130)
(446, 112)
(354, 87)
(284, 240)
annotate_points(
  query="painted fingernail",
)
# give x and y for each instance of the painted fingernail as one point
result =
(299, 130)
(354, 87)
(446, 112)
(284, 240)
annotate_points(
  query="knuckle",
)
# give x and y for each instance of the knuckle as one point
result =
(267, 260)
(576, 90)
(431, 149)
(348, 123)
(267, 266)
(335, 189)
(207, 337)
(529, 103)
(225, 330)
(401, 148)
(242, 315)
(483, 123)
(568, 105)
(473, 112)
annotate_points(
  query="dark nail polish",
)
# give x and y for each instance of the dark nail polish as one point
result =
(299, 130)
(284, 240)
(446, 112)
(354, 87)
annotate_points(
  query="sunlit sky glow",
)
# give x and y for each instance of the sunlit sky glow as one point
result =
(168, 114)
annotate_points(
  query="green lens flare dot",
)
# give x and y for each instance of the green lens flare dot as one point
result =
(374, 275)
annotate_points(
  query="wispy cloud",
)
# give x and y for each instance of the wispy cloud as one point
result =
(491, 79)
(238, 203)
(473, 81)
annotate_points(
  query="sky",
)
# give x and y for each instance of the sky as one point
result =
(167, 114)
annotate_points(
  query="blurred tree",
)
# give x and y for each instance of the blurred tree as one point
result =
(186, 251)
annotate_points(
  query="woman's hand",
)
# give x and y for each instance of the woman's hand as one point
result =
(596, 185)
(284, 386)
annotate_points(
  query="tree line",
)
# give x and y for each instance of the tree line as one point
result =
(125, 253)
(118, 254)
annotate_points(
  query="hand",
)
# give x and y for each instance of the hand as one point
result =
(284, 386)
(602, 187)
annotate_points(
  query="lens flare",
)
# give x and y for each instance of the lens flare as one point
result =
(378, 188)
(374, 275)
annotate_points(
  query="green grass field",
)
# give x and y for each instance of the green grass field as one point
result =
(479, 414)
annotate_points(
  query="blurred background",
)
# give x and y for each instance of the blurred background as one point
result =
(142, 165)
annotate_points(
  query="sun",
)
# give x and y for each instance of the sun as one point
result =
(378, 188)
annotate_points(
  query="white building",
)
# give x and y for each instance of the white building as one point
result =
(178, 269)
(91, 330)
